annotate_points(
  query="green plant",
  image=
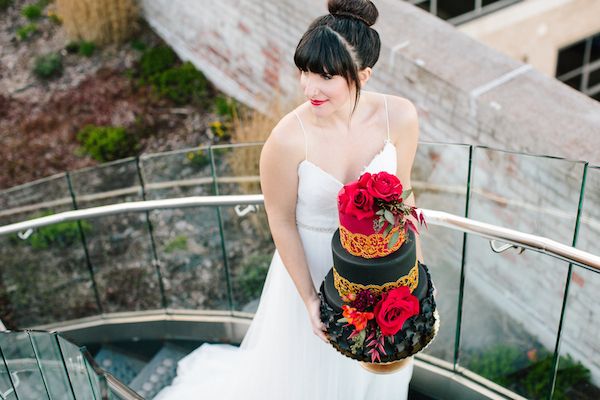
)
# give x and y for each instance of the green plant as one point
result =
(183, 84)
(4, 4)
(86, 48)
(138, 45)
(528, 372)
(198, 158)
(155, 61)
(54, 18)
(48, 66)
(177, 243)
(83, 48)
(26, 31)
(537, 384)
(225, 107)
(62, 234)
(32, 12)
(220, 129)
(252, 276)
(72, 47)
(107, 143)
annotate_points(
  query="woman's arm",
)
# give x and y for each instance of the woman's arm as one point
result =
(279, 160)
(405, 127)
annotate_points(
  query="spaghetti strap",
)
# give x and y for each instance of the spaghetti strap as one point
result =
(305, 139)
(387, 117)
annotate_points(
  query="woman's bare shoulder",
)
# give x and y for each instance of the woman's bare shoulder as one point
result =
(404, 119)
(286, 140)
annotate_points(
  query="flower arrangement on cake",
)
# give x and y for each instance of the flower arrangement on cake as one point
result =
(378, 200)
(377, 301)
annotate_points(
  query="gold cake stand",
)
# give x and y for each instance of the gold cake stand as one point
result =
(386, 368)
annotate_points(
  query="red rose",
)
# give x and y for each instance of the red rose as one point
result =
(359, 202)
(385, 186)
(343, 199)
(394, 308)
(364, 179)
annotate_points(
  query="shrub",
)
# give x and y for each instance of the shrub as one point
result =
(63, 234)
(83, 48)
(72, 47)
(54, 18)
(220, 130)
(107, 143)
(4, 4)
(225, 107)
(138, 45)
(86, 48)
(252, 277)
(198, 158)
(48, 66)
(25, 32)
(32, 12)
(155, 61)
(516, 369)
(178, 243)
(183, 84)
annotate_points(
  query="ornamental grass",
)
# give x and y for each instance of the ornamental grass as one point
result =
(98, 21)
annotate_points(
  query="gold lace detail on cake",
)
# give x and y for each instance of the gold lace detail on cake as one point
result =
(370, 246)
(344, 286)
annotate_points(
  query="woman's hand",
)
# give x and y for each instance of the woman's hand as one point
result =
(314, 314)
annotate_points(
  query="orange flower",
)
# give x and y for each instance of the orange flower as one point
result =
(349, 297)
(357, 318)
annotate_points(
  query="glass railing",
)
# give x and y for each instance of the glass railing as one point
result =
(44, 365)
(512, 318)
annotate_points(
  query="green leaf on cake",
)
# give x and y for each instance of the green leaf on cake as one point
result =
(359, 341)
(387, 230)
(406, 194)
(389, 217)
(393, 240)
(342, 320)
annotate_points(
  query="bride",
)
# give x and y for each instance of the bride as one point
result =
(337, 134)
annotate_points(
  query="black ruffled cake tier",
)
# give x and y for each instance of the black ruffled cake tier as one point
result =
(414, 336)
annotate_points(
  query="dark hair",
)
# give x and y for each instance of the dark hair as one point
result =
(341, 42)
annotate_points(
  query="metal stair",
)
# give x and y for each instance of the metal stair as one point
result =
(144, 374)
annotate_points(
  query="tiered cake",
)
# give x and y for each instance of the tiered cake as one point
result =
(377, 301)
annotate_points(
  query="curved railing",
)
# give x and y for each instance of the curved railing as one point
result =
(191, 264)
(434, 218)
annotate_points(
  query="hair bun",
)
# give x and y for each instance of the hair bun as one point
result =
(363, 10)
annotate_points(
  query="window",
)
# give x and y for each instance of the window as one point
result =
(459, 11)
(578, 66)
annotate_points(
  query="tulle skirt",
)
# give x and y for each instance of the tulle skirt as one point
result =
(280, 357)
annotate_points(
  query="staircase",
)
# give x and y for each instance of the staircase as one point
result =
(145, 374)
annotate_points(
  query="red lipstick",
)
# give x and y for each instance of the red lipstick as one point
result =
(317, 102)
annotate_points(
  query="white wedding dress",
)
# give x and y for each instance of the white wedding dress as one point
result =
(280, 357)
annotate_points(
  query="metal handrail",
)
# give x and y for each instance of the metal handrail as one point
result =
(493, 232)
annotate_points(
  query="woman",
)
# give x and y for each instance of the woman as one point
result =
(324, 143)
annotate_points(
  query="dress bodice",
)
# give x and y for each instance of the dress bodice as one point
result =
(316, 206)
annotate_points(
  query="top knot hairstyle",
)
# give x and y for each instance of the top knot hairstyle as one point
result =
(341, 42)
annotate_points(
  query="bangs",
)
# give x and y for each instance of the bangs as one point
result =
(321, 51)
